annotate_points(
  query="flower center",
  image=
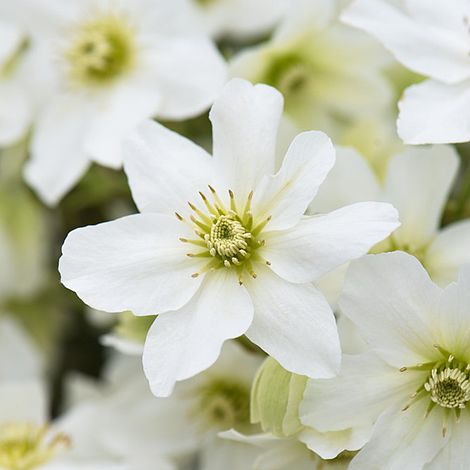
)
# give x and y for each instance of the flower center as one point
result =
(227, 236)
(24, 446)
(101, 50)
(449, 388)
(447, 384)
(224, 404)
(289, 74)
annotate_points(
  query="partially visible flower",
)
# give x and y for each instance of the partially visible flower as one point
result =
(105, 67)
(221, 247)
(414, 382)
(417, 182)
(430, 38)
(329, 73)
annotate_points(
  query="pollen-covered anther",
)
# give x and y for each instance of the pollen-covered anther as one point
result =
(449, 388)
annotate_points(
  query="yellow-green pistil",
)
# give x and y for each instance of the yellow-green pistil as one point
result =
(25, 446)
(228, 237)
(447, 385)
(101, 50)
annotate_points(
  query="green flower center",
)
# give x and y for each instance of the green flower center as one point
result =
(290, 74)
(101, 50)
(25, 446)
(449, 388)
(447, 384)
(224, 404)
(227, 236)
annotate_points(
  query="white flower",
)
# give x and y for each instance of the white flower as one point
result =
(430, 38)
(417, 182)
(238, 19)
(240, 258)
(414, 382)
(107, 66)
(27, 439)
(328, 73)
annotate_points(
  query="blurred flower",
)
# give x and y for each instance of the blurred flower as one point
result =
(249, 243)
(105, 68)
(417, 182)
(329, 73)
(430, 38)
(414, 382)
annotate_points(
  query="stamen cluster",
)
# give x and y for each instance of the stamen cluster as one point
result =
(227, 236)
(102, 49)
(24, 446)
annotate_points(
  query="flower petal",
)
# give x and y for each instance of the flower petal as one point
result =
(134, 263)
(181, 344)
(449, 251)
(329, 444)
(245, 121)
(165, 170)
(452, 321)
(392, 292)
(58, 157)
(403, 440)
(436, 50)
(418, 183)
(435, 113)
(294, 324)
(455, 453)
(286, 195)
(364, 388)
(117, 116)
(189, 74)
(350, 180)
(318, 244)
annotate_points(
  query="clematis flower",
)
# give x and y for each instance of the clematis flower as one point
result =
(414, 381)
(417, 182)
(105, 67)
(329, 74)
(430, 38)
(221, 247)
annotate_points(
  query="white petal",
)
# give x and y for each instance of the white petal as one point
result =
(452, 322)
(392, 293)
(183, 343)
(15, 343)
(116, 116)
(351, 180)
(318, 244)
(189, 75)
(295, 325)
(134, 263)
(329, 444)
(165, 170)
(15, 113)
(58, 157)
(418, 183)
(364, 388)
(449, 251)
(455, 453)
(434, 50)
(286, 195)
(435, 113)
(403, 440)
(245, 121)
(23, 401)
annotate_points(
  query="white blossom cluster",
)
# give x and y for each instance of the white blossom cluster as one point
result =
(234, 234)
